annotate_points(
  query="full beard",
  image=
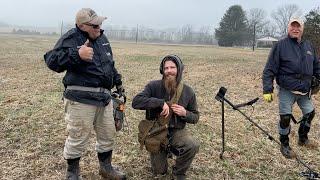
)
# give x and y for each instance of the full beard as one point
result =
(170, 84)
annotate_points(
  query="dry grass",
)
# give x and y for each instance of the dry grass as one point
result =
(32, 128)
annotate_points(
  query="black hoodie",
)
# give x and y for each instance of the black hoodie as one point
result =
(154, 95)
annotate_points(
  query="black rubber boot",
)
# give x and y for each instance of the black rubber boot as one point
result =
(303, 134)
(179, 177)
(106, 169)
(73, 169)
(303, 137)
(304, 129)
(176, 176)
(285, 149)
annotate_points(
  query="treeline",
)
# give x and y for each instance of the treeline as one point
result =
(25, 31)
(186, 34)
(31, 32)
(241, 28)
(236, 28)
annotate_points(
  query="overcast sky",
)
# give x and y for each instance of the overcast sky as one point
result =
(150, 13)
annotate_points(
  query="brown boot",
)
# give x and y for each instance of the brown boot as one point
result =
(73, 170)
(107, 170)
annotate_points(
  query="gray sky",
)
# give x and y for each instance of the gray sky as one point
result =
(150, 13)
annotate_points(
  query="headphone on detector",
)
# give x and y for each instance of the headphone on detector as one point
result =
(171, 57)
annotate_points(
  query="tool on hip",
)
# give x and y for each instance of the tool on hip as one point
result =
(119, 101)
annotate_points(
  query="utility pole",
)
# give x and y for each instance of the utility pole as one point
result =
(137, 34)
(254, 36)
(61, 29)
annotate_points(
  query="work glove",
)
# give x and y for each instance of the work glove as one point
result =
(315, 85)
(268, 97)
(120, 90)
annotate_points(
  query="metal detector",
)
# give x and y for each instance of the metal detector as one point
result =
(310, 174)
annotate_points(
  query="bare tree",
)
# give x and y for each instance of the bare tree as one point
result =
(269, 29)
(186, 33)
(283, 14)
(204, 36)
(256, 20)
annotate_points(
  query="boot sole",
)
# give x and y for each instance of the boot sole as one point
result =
(104, 175)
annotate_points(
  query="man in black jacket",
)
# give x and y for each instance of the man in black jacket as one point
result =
(156, 99)
(85, 54)
(293, 63)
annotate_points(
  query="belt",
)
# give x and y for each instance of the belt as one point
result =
(300, 76)
(89, 89)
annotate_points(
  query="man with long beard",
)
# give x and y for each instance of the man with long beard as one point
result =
(171, 100)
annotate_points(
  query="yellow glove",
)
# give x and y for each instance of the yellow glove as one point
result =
(268, 97)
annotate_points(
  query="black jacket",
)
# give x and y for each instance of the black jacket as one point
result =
(292, 64)
(153, 97)
(101, 72)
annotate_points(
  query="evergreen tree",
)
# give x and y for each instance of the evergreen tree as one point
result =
(233, 28)
(312, 28)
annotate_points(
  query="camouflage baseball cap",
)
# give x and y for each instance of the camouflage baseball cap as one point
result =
(87, 15)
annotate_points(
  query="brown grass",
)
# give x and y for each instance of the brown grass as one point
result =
(32, 128)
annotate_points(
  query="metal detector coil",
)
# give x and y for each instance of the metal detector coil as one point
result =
(310, 174)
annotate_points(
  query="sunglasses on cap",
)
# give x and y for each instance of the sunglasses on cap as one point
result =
(93, 25)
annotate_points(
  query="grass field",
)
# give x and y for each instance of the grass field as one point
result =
(32, 127)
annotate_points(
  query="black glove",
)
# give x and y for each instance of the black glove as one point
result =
(315, 85)
(120, 90)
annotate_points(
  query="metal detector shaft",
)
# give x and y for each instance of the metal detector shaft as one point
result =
(310, 174)
(219, 97)
(222, 128)
(248, 118)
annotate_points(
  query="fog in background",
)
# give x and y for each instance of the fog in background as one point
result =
(157, 14)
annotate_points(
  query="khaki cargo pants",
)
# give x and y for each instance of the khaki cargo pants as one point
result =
(81, 119)
(183, 142)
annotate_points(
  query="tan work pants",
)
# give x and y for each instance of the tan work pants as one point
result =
(81, 119)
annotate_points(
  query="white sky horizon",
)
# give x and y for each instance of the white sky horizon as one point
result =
(158, 14)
